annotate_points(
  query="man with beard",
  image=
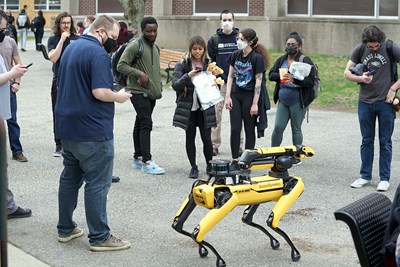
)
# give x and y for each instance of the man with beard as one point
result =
(64, 34)
(144, 82)
(9, 52)
(85, 122)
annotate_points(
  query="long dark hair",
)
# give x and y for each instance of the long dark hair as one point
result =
(251, 36)
(199, 41)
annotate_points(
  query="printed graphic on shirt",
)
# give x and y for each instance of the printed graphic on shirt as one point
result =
(243, 73)
(374, 61)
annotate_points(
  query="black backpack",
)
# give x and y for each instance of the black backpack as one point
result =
(119, 78)
(317, 81)
(393, 64)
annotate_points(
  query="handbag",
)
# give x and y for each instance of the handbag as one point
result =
(207, 91)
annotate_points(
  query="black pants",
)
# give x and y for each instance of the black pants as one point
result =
(241, 104)
(143, 125)
(53, 105)
(38, 38)
(197, 119)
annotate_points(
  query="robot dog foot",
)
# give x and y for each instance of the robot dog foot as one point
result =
(203, 252)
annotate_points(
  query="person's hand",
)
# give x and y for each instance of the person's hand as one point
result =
(123, 96)
(254, 109)
(288, 77)
(228, 103)
(390, 95)
(193, 73)
(143, 79)
(366, 78)
(18, 71)
(64, 36)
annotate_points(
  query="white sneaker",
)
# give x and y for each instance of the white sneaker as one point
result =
(360, 182)
(383, 186)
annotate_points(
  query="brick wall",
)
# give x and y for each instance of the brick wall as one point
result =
(87, 7)
(185, 7)
(256, 7)
(182, 7)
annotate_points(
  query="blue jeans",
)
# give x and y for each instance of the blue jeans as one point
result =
(92, 163)
(367, 114)
(13, 127)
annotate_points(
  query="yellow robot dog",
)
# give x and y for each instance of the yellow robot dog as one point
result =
(225, 189)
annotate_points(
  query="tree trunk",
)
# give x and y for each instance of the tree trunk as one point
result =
(134, 11)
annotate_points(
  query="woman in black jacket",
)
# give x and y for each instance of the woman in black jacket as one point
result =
(188, 113)
(291, 95)
(37, 26)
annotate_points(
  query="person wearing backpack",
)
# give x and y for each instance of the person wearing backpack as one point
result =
(144, 82)
(378, 87)
(23, 25)
(219, 46)
(38, 29)
(292, 96)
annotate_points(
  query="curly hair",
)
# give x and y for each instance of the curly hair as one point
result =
(372, 34)
(57, 29)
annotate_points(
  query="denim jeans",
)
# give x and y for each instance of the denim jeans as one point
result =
(143, 125)
(92, 163)
(367, 114)
(13, 127)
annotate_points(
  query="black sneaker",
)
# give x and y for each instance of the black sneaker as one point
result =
(58, 151)
(20, 213)
(194, 172)
(115, 179)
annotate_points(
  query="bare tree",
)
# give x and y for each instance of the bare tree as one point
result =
(133, 11)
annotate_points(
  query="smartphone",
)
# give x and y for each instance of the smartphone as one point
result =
(198, 69)
(371, 72)
(28, 65)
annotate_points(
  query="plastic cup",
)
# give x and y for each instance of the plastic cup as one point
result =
(282, 72)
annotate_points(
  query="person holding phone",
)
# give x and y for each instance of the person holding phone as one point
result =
(188, 113)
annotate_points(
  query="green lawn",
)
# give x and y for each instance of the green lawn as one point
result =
(337, 93)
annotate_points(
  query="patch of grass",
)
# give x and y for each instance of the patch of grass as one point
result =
(337, 92)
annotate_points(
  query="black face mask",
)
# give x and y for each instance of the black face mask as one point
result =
(2, 35)
(291, 50)
(109, 45)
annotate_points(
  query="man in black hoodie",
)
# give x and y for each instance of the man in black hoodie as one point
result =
(220, 45)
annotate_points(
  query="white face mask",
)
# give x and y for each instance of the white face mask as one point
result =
(227, 26)
(241, 44)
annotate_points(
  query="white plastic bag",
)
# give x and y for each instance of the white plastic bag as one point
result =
(299, 70)
(206, 89)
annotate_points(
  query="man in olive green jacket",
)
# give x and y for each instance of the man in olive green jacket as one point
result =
(144, 82)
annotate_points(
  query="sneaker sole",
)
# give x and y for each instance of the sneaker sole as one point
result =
(71, 237)
(155, 173)
(358, 186)
(56, 155)
(102, 249)
(137, 166)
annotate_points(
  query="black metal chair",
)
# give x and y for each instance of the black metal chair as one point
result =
(367, 219)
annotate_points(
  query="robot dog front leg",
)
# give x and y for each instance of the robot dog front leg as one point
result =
(214, 216)
(247, 218)
(293, 189)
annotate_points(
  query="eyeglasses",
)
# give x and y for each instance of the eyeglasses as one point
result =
(374, 46)
(66, 23)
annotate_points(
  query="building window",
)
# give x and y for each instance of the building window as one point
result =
(343, 8)
(48, 4)
(204, 7)
(109, 6)
(9, 4)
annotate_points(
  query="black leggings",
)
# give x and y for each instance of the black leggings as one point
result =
(197, 119)
(241, 104)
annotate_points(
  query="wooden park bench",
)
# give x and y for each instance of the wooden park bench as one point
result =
(168, 60)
